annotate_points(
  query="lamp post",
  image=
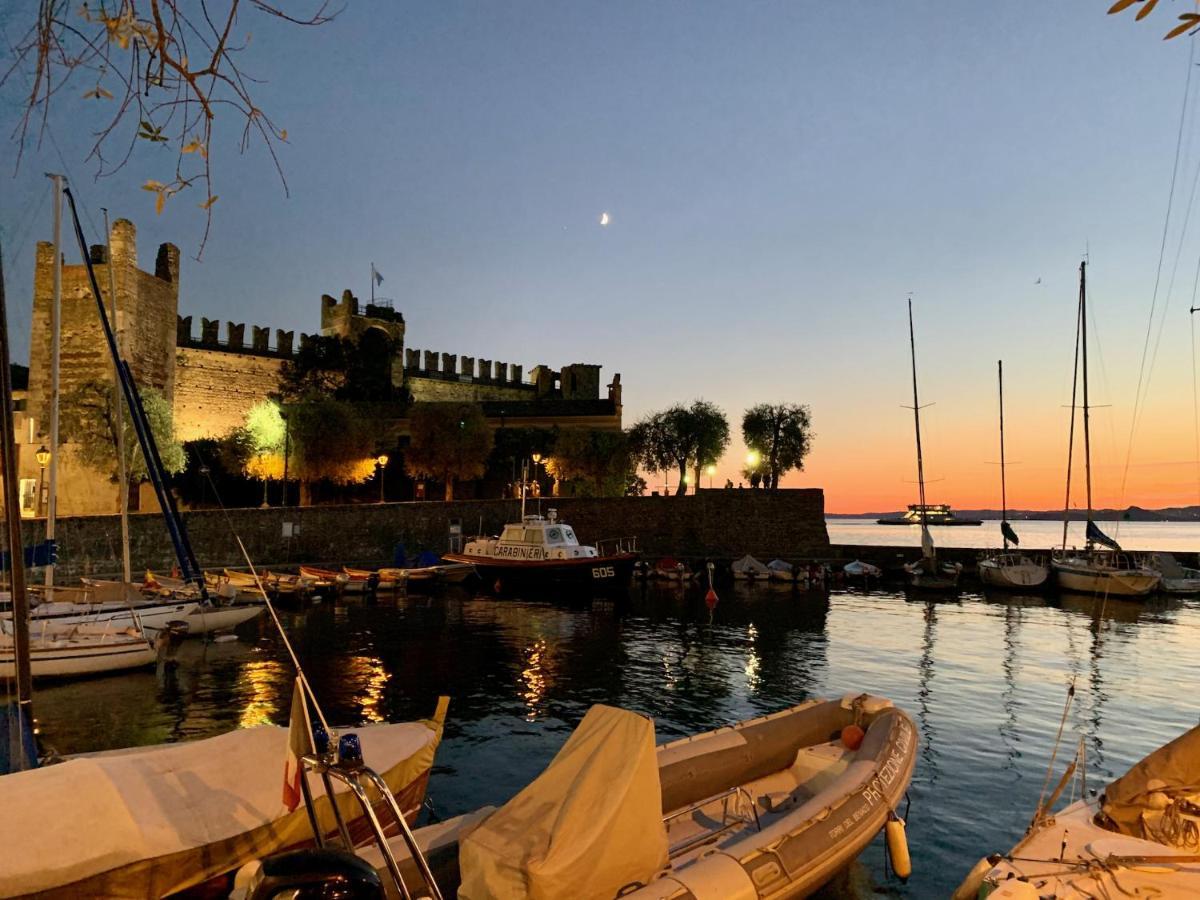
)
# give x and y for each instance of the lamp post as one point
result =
(537, 485)
(381, 461)
(43, 459)
(710, 471)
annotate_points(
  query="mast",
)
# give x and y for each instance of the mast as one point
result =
(122, 474)
(1087, 436)
(1071, 432)
(55, 344)
(926, 540)
(1003, 486)
(12, 519)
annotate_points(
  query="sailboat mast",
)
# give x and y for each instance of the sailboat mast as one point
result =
(55, 345)
(12, 517)
(912, 342)
(1087, 435)
(1003, 486)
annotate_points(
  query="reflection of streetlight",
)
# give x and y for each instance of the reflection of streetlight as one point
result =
(710, 471)
(43, 459)
(381, 461)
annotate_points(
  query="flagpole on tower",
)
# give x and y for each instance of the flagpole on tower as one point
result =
(372, 284)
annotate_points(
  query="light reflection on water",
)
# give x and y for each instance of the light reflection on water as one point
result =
(984, 676)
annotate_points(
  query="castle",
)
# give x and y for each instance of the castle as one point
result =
(212, 381)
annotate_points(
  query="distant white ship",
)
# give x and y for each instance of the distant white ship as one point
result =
(930, 514)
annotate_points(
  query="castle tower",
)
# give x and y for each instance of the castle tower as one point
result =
(377, 329)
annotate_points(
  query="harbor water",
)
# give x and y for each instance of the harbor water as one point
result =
(984, 676)
(1036, 534)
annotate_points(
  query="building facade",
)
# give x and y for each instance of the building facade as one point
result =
(212, 379)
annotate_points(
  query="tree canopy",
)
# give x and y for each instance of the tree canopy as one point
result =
(591, 462)
(343, 369)
(781, 433)
(88, 419)
(265, 435)
(680, 437)
(332, 440)
(450, 441)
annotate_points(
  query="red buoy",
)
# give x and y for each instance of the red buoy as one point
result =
(710, 599)
(852, 737)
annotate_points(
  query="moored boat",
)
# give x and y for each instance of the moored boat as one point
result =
(1176, 578)
(781, 570)
(750, 569)
(1012, 570)
(860, 569)
(544, 551)
(75, 652)
(772, 807)
(329, 579)
(1105, 572)
(163, 819)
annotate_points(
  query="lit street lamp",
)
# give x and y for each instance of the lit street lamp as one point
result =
(710, 471)
(381, 461)
(42, 455)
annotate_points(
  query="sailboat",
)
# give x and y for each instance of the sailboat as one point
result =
(927, 573)
(1009, 569)
(1108, 571)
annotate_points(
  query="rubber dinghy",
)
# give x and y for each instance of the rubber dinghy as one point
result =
(772, 807)
(153, 821)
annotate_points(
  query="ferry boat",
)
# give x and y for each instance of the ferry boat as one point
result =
(929, 514)
(541, 550)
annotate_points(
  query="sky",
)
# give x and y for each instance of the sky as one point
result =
(779, 178)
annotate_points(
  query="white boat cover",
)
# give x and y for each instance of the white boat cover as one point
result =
(778, 565)
(749, 565)
(1156, 799)
(152, 821)
(586, 827)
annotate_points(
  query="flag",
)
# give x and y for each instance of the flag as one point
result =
(375, 274)
(299, 744)
(1096, 536)
(1009, 534)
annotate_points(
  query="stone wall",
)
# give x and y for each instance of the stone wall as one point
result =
(719, 524)
(214, 389)
(440, 390)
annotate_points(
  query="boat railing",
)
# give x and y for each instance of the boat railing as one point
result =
(346, 766)
(728, 820)
(617, 546)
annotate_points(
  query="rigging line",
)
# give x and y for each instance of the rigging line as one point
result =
(1071, 432)
(1187, 85)
(270, 606)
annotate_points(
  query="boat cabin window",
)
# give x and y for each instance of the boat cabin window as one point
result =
(533, 535)
(513, 533)
(569, 535)
(554, 536)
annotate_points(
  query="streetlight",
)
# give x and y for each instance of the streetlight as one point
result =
(687, 481)
(537, 485)
(381, 461)
(753, 458)
(43, 459)
(710, 471)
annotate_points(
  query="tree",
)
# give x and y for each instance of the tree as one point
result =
(450, 442)
(159, 79)
(591, 462)
(89, 420)
(333, 440)
(1189, 23)
(338, 367)
(680, 437)
(264, 435)
(781, 434)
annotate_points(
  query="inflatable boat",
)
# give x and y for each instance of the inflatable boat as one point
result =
(772, 807)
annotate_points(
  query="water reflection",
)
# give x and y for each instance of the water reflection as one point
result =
(985, 677)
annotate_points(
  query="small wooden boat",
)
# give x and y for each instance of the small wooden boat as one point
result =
(1136, 839)
(670, 569)
(328, 579)
(772, 807)
(750, 569)
(153, 821)
(75, 652)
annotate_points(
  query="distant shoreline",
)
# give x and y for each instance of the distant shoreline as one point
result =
(1131, 514)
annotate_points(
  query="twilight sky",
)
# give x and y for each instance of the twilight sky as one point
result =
(779, 177)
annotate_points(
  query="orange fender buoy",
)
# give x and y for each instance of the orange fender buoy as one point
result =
(897, 847)
(852, 737)
(710, 599)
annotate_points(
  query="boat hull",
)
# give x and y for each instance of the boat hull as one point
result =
(1110, 582)
(73, 659)
(594, 571)
(1019, 577)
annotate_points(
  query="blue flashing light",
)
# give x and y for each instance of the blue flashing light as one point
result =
(349, 748)
(320, 739)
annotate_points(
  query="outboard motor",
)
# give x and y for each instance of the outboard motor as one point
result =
(319, 874)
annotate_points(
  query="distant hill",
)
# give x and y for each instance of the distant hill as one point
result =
(1129, 514)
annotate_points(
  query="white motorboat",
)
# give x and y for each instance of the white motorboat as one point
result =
(66, 653)
(781, 570)
(860, 569)
(1136, 839)
(750, 569)
(1012, 570)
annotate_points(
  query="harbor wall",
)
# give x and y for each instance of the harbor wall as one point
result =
(722, 524)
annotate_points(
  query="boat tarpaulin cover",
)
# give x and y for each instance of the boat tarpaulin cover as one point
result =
(748, 564)
(586, 827)
(1143, 802)
(152, 821)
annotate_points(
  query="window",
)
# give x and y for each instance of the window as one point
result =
(29, 498)
(554, 535)
(533, 535)
(570, 535)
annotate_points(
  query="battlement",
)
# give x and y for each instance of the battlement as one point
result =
(285, 346)
(467, 369)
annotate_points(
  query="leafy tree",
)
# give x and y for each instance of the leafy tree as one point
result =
(591, 462)
(511, 448)
(1189, 22)
(89, 421)
(161, 79)
(343, 369)
(264, 433)
(680, 437)
(332, 440)
(450, 442)
(782, 434)
(223, 461)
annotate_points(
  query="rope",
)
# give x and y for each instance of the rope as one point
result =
(1053, 755)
